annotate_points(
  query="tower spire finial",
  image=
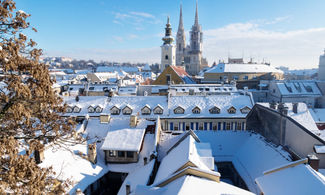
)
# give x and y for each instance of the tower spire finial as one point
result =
(180, 25)
(196, 16)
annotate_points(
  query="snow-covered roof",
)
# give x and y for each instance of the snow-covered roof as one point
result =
(303, 116)
(223, 102)
(138, 177)
(185, 151)
(298, 88)
(84, 102)
(68, 164)
(189, 184)
(299, 179)
(124, 140)
(250, 154)
(128, 69)
(319, 149)
(241, 68)
(318, 114)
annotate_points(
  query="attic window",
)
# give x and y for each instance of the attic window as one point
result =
(91, 88)
(158, 110)
(69, 109)
(214, 110)
(91, 109)
(308, 88)
(196, 110)
(115, 110)
(127, 110)
(99, 109)
(179, 110)
(76, 109)
(232, 110)
(146, 110)
(245, 110)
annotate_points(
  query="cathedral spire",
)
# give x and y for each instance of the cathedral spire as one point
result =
(196, 23)
(180, 25)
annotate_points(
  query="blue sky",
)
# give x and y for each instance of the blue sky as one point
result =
(285, 32)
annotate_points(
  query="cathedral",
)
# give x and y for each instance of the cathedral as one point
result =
(188, 56)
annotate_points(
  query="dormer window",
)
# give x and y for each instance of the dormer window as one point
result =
(115, 110)
(158, 110)
(179, 110)
(98, 109)
(214, 110)
(76, 109)
(91, 109)
(245, 110)
(232, 110)
(196, 110)
(69, 109)
(127, 110)
(146, 110)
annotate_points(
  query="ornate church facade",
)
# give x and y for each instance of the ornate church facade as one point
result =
(190, 56)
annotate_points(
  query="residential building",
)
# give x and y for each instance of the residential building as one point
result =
(173, 75)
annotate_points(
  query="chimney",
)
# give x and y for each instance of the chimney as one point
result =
(104, 118)
(285, 110)
(145, 159)
(92, 153)
(313, 161)
(133, 121)
(273, 105)
(39, 155)
(280, 107)
(295, 107)
(128, 188)
(79, 192)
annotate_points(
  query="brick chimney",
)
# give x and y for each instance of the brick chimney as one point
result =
(128, 188)
(273, 105)
(313, 161)
(92, 153)
(133, 121)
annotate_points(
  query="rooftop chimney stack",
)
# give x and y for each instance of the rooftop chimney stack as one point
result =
(295, 107)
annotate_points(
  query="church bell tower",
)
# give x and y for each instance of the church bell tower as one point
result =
(168, 48)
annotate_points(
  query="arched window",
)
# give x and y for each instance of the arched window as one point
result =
(166, 57)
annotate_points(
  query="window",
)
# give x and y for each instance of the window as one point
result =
(232, 110)
(91, 109)
(158, 110)
(245, 77)
(127, 110)
(99, 109)
(91, 88)
(176, 127)
(235, 77)
(112, 153)
(187, 126)
(146, 110)
(214, 110)
(168, 78)
(238, 126)
(166, 57)
(69, 109)
(245, 110)
(121, 154)
(196, 110)
(200, 126)
(76, 109)
(214, 126)
(115, 110)
(225, 78)
(228, 126)
(129, 154)
(179, 110)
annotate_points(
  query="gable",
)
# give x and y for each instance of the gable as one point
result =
(179, 110)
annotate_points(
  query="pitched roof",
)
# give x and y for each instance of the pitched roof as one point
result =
(183, 74)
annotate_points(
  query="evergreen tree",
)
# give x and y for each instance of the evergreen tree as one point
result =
(29, 108)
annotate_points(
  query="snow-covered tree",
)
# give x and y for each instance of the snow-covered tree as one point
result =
(29, 108)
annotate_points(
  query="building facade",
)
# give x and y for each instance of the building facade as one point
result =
(190, 56)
